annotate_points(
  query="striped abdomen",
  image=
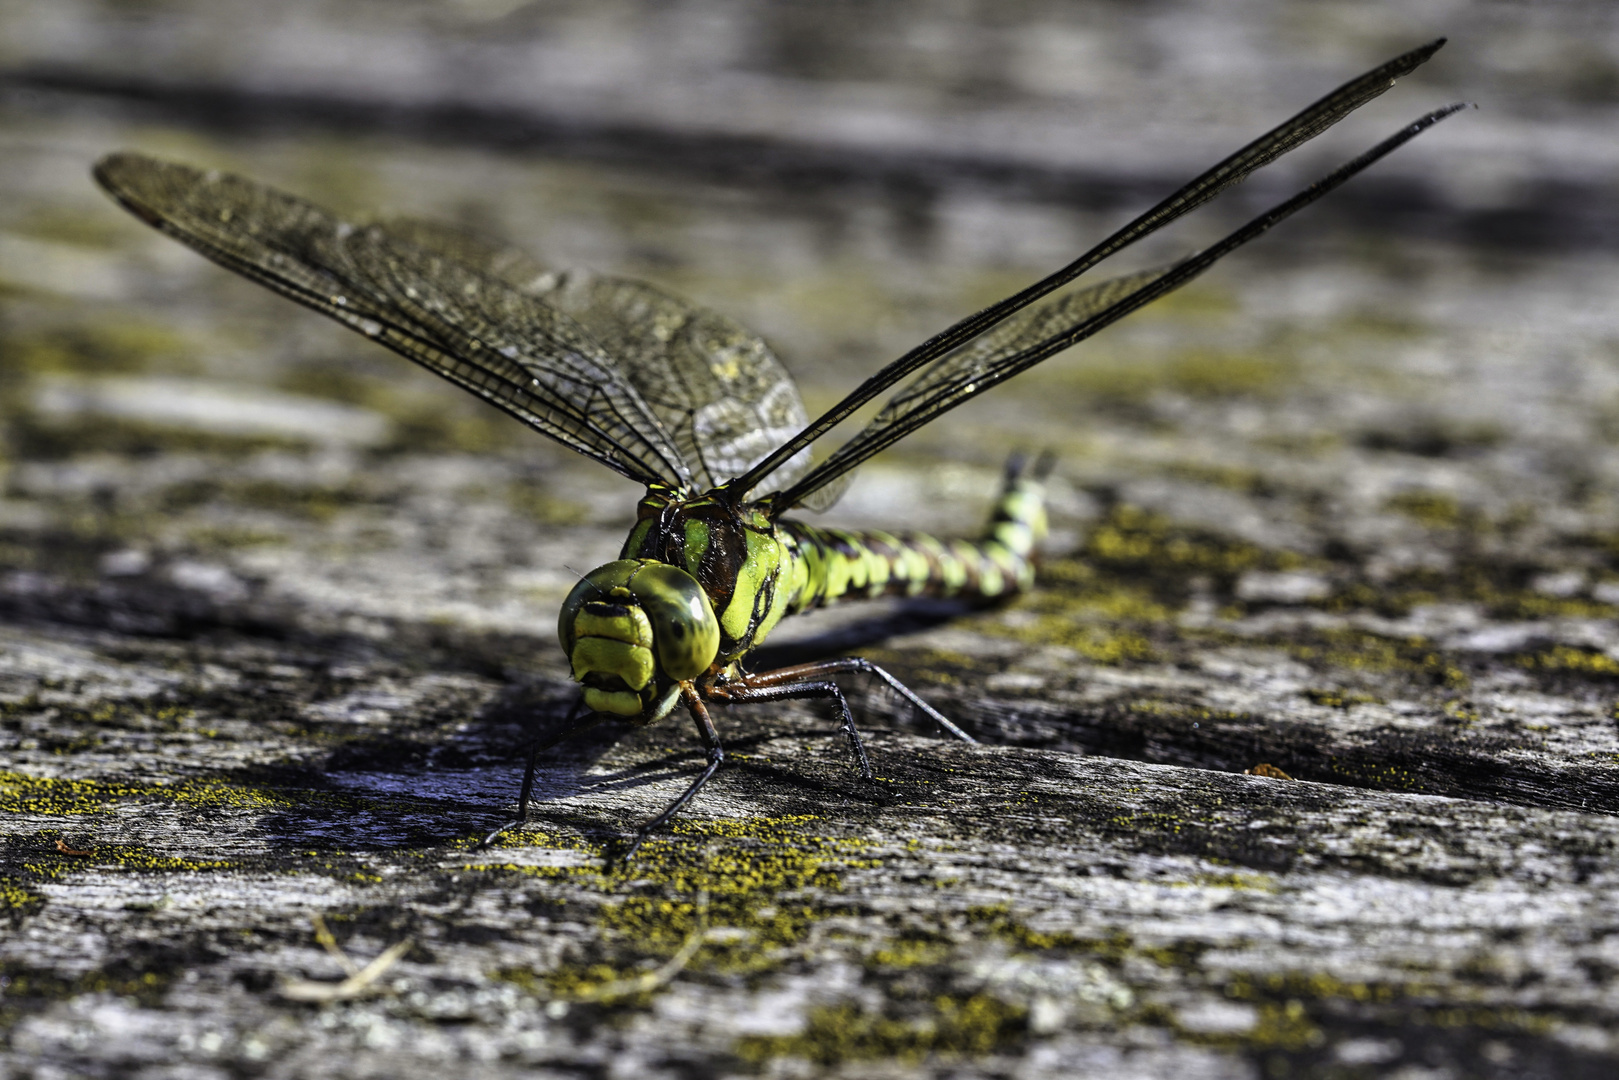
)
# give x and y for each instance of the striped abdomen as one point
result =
(842, 564)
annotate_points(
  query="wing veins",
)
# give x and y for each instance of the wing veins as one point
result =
(1297, 130)
(302, 253)
(487, 323)
(947, 385)
(719, 390)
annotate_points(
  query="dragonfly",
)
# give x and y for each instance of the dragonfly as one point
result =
(702, 413)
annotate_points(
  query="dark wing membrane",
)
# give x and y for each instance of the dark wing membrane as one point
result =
(963, 375)
(487, 321)
(723, 395)
(507, 262)
(1267, 148)
(1020, 343)
(508, 348)
(718, 387)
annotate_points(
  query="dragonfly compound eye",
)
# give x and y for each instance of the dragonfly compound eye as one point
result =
(629, 623)
(683, 622)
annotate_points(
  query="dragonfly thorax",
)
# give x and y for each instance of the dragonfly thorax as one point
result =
(732, 550)
(633, 630)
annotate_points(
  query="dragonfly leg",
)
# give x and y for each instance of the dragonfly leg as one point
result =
(534, 751)
(820, 670)
(716, 758)
(746, 690)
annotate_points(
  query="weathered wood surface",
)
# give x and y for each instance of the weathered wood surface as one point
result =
(278, 612)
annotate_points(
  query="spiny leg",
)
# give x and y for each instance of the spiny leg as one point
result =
(844, 665)
(745, 690)
(716, 758)
(535, 749)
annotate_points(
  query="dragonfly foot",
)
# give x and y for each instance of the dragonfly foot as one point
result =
(492, 837)
(716, 758)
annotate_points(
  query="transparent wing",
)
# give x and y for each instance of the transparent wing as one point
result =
(716, 386)
(479, 332)
(1022, 341)
(507, 262)
(1267, 148)
(958, 376)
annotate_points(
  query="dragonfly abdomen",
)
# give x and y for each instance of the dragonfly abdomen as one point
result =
(857, 564)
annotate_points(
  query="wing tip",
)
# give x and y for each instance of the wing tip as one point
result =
(107, 166)
(1410, 61)
(115, 173)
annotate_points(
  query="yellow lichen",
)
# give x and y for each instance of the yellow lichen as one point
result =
(1365, 651)
(906, 952)
(24, 794)
(1431, 508)
(946, 1026)
(1567, 658)
(759, 885)
(1340, 699)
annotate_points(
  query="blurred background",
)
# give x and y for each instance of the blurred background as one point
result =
(1436, 340)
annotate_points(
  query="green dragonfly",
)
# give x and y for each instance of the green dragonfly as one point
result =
(699, 410)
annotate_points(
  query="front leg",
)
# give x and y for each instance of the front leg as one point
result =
(534, 751)
(716, 758)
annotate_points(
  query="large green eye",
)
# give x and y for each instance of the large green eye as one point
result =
(683, 622)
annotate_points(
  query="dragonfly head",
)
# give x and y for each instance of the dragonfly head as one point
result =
(633, 630)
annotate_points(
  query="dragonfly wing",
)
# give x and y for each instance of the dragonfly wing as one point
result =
(1267, 148)
(968, 372)
(1021, 342)
(825, 496)
(396, 294)
(717, 387)
(492, 324)
(958, 376)
(496, 258)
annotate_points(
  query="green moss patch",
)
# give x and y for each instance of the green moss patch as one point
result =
(1116, 600)
(317, 504)
(909, 1031)
(24, 794)
(145, 714)
(997, 922)
(1563, 659)
(1340, 699)
(22, 986)
(1295, 1009)
(1230, 477)
(27, 863)
(17, 899)
(58, 856)
(1362, 650)
(110, 349)
(1139, 545)
(1097, 643)
(909, 949)
(538, 505)
(754, 888)
(1130, 378)
(1501, 586)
